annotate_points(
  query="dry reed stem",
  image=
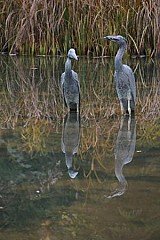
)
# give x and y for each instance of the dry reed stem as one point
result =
(51, 27)
(32, 99)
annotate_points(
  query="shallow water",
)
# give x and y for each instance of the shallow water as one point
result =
(94, 176)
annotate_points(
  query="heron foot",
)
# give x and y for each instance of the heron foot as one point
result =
(122, 109)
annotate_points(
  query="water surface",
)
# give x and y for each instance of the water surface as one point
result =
(91, 176)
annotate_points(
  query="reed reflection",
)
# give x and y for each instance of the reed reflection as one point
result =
(70, 140)
(124, 151)
(30, 88)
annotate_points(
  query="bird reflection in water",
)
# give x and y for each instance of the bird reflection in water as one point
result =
(124, 151)
(70, 140)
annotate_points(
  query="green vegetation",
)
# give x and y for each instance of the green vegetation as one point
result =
(51, 27)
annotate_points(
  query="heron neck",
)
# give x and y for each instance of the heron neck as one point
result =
(68, 70)
(118, 58)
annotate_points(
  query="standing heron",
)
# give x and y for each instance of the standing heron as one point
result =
(124, 77)
(70, 84)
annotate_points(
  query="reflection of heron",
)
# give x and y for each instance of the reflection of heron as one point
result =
(70, 140)
(70, 84)
(124, 77)
(124, 151)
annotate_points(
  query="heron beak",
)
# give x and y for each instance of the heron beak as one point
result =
(76, 58)
(108, 38)
(72, 173)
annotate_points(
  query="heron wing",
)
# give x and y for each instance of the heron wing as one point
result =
(131, 79)
(75, 77)
(62, 81)
(62, 87)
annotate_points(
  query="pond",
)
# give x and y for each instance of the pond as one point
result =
(93, 175)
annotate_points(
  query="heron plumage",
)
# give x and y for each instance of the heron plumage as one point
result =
(70, 84)
(124, 77)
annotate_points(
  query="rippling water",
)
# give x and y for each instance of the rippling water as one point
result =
(66, 176)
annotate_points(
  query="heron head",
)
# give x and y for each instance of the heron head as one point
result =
(72, 54)
(117, 39)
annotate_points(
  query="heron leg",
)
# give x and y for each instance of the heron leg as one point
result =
(78, 108)
(121, 123)
(129, 107)
(129, 102)
(129, 128)
(122, 109)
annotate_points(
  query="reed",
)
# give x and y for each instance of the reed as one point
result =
(30, 97)
(51, 27)
(30, 90)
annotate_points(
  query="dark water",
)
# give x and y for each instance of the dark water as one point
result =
(92, 176)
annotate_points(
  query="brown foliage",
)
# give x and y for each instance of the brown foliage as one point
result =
(51, 27)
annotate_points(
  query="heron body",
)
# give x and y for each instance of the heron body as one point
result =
(70, 84)
(124, 77)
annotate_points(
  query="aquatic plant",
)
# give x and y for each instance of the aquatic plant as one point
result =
(30, 90)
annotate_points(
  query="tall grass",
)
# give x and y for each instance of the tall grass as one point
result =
(30, 89)
(30, 97)
(51, 27)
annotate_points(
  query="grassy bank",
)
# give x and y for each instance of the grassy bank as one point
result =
(51, 27)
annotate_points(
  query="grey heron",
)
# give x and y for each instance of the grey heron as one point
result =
(70, 84)
(124, 77)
